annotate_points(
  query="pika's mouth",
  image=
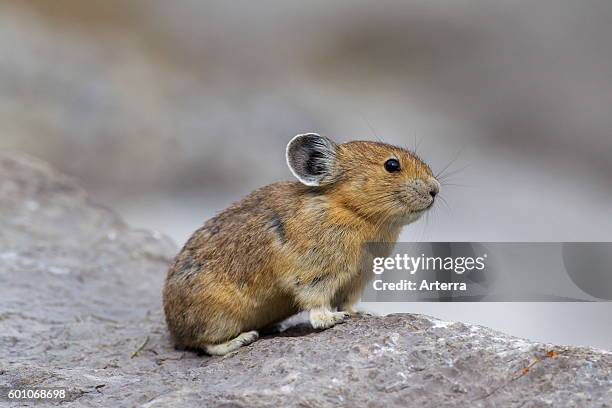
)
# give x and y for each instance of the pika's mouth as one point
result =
(418, 202)
(422, 210)
(422, 193)
(418, 205)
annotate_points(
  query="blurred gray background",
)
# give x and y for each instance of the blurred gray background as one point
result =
(169, 111)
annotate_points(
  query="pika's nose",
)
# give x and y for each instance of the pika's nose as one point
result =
(434, 188)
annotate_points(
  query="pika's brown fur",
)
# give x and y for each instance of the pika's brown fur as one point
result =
(290, 247)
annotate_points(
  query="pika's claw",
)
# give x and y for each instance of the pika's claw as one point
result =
(325, 318)
(353, 312)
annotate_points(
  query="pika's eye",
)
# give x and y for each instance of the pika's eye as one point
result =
(392, 165)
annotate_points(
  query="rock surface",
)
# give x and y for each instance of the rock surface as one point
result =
(80, 308)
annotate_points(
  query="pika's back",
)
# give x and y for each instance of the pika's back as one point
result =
(243, 234)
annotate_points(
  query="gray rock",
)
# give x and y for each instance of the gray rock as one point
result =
(80, 308)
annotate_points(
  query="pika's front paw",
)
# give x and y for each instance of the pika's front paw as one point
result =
(353, 312)
(325, 318)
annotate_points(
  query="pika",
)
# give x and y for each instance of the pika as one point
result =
(294, 246)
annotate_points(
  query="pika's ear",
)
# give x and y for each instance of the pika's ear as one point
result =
(312, 159)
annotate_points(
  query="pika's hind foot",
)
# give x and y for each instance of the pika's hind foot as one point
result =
(323, 318)
(242, 339)
(292, 321)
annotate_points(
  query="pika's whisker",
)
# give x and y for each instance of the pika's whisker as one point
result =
(450, 173)
(443, 200)
(455, 158)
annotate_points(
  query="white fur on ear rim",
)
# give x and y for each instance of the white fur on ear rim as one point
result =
(311, 158)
